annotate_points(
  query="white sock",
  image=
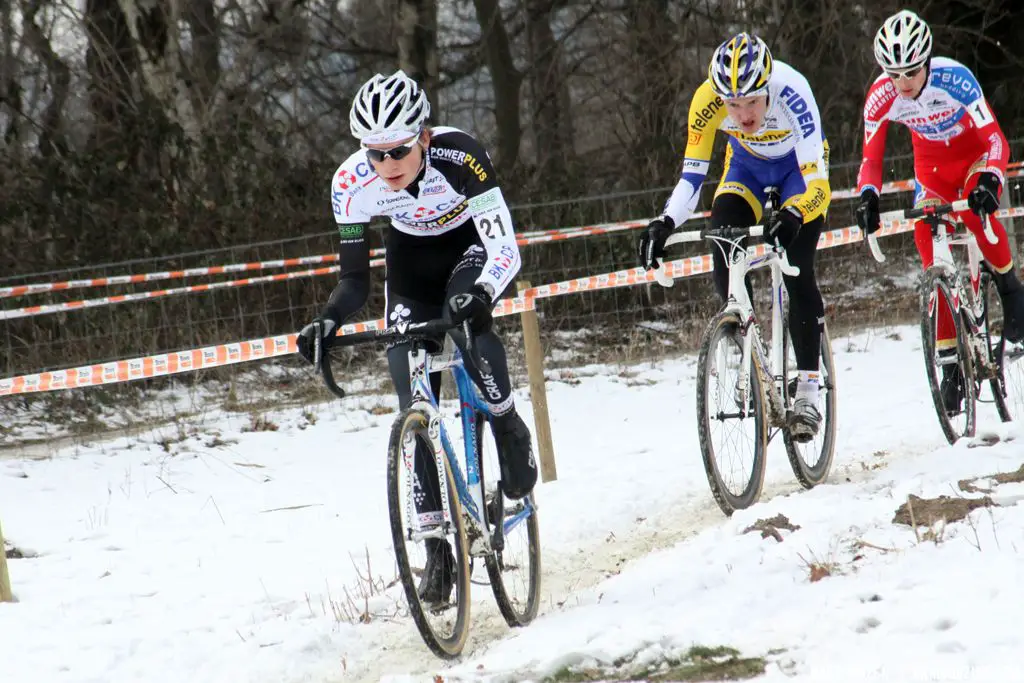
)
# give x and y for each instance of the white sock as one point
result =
(807, 385)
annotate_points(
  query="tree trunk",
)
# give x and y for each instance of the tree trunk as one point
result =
(417, 45)
(204, 67)
(154, 29)
(10, 87)
(549, 93)
(505, 81)
(110, 62)
(652, 41)
(52, 135)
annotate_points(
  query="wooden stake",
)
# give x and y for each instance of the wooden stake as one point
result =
(538, 392)
(5, 579)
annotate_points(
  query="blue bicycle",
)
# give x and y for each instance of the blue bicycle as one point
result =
(474, 519)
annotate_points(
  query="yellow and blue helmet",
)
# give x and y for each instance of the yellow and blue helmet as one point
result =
(740, 67)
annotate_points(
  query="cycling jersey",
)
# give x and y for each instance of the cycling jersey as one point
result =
(791, 134)
(949, 119)
(456, 196)
(955, 136)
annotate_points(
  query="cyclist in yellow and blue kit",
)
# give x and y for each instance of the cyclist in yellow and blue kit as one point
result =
(775, 139)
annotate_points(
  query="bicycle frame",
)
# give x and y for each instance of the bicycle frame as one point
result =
(942, 259)
(742, 261)
(469, 488)
(967, 299)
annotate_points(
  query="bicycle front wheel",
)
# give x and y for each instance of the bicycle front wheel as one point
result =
(731, 424)
(955, 407)
(444, 626)
(812, 461)
(513, 565)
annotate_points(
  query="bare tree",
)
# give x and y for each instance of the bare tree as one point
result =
(417, 44)
(506, 80)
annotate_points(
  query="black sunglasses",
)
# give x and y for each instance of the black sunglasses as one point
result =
(396, 153)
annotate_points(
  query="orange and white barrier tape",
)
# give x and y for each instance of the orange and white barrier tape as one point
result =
(1015, 169)
(12, 313)
(178, 362)
(269, 347)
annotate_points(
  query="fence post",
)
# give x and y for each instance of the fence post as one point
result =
(538, 391)
(5, 579)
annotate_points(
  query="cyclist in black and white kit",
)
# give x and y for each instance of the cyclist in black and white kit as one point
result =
(450, 251)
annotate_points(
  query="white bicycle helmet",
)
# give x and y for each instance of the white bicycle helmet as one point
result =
(388, 108)
(903, 42)
(740, 67)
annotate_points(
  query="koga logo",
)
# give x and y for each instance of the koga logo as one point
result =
(798, 106)
(432, 189)
(345, 179)
(700, 119)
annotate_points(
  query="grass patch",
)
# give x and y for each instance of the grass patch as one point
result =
(700, 663)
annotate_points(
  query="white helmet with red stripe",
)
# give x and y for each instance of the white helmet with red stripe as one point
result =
(903, 42)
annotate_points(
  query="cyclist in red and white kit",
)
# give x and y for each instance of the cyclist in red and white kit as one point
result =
(959, 149)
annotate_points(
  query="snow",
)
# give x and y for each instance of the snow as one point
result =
(212, 552)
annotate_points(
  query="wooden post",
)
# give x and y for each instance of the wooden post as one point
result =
(5, 579)
(538, 392)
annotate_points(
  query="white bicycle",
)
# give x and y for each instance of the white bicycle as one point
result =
(970, 299)
(745, 395)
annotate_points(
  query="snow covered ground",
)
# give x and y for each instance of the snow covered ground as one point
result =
(245, 551)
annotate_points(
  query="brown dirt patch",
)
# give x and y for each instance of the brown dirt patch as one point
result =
(770, 527)
(925, 512)
(970, 485)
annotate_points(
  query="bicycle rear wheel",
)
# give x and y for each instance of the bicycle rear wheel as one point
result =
(812, 461)
(936, 293)
(732, 428)
(513, 566)
(443, 627)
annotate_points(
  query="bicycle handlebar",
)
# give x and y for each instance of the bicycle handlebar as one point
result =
(399, 332)
(933, 212)
(729, 233)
